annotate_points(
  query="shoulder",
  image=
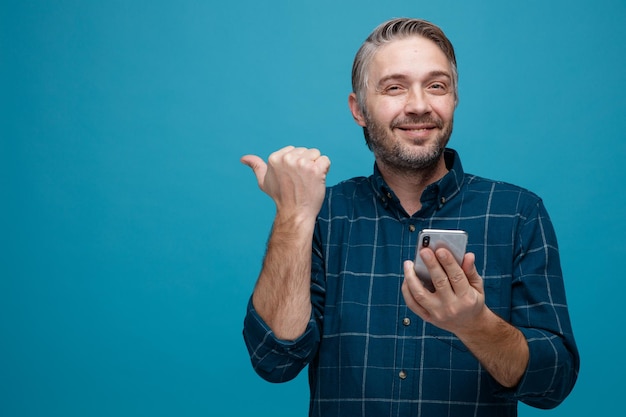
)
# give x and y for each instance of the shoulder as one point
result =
(351, 187)
(500, 194)
(349, 196)
(477, 183)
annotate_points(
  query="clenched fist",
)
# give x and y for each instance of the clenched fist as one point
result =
(295, 178)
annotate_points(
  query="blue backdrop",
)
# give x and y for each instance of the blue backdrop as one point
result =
(131, 236)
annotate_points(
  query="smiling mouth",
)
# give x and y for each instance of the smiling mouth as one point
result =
(420, 124)
(416, 131)
(416, 128)
(416, 134)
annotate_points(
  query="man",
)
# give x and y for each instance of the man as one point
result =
(338, 291)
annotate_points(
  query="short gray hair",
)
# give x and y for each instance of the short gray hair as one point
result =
(391, 30)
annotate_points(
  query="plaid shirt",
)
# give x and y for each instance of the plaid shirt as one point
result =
(370, 356)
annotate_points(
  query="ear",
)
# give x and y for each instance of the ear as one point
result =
(355, 109)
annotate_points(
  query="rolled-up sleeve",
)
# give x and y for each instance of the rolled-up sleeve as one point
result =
(540, 312)
(277, 360)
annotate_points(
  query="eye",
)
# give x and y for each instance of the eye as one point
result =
(394, 89)
(438, 88)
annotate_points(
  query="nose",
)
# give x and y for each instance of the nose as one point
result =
(417, 102)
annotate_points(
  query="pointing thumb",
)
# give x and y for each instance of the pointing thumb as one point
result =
(259, 167)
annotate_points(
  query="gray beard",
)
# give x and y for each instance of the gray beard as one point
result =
(395, 156)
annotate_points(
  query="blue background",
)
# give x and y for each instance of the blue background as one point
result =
(131, 236)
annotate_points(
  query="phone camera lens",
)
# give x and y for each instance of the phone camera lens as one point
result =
(425, 241)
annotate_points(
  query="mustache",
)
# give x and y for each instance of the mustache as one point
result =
(425, 119)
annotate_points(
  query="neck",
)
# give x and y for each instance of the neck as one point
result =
(408, 185)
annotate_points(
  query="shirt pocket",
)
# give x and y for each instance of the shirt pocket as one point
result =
(497, 287)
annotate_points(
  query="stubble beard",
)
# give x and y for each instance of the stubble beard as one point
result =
(401, 157)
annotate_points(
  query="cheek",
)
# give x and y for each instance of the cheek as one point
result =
(445, 108)
(384, 111)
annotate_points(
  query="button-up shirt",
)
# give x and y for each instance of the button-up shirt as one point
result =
(369, 355)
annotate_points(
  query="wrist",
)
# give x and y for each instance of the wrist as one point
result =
(483, 324)
(294, 221)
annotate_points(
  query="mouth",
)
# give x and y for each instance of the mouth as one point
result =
(417, 131)
(417, 124)
(416, 128)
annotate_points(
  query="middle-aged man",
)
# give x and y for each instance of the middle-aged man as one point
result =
(338, 291)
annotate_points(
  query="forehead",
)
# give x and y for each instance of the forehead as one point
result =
(412, 56)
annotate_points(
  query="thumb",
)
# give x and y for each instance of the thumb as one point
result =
(259, 167)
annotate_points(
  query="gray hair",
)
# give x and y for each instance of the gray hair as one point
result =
(391, 30)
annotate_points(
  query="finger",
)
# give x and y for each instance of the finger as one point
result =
(287, 149)
(324, 164)
(312, 157)
(414, 291)
(456, 276)
(302, 157)
(277, 156)
(311, 153)
(469, 267)
(294, 157)
(438, 275)
(259, 167)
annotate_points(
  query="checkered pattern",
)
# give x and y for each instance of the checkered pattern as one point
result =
(369, 355)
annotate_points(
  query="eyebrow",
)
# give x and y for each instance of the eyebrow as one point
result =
(403, 77)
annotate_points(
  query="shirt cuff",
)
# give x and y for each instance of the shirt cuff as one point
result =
(540, 385)
(276, 359)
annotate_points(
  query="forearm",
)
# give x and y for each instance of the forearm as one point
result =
(282, 295)
(500, 348)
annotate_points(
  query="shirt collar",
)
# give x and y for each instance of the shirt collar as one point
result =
(439, 192)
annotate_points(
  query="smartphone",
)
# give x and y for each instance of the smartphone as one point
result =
(453, 240)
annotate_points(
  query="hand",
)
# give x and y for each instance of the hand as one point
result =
(459, 298)
(458, 306)
(295, 178)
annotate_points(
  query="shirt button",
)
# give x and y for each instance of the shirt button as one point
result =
(411, 227)
(402, 375)
(406, 321)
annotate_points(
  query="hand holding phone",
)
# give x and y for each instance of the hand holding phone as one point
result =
(453, 240)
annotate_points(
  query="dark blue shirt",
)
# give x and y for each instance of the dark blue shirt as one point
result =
(369, 355)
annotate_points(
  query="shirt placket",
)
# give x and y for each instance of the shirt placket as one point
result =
(406, 369)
